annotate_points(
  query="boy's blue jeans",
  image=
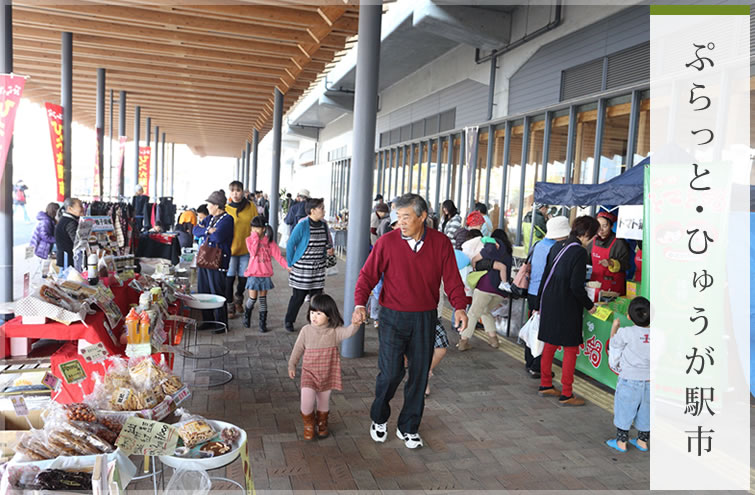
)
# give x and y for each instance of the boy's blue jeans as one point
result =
(631, 404)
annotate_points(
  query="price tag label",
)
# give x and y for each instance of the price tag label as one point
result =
(95, 353)
(51, 381)
(146, 437)
(29, 253)
(180, 396)
(73, 372)
(122, 396)
(19, 405)
(163, 409)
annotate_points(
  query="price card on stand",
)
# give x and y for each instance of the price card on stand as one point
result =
(146, 437)
(180, 396)
(19, 405)
(72, 371)
(95, 353)
(51, 381)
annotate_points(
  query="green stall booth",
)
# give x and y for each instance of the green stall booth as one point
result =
(629, 188)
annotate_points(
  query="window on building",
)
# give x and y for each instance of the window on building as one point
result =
(556, 167)
(643, 129)
(406, 132)
(513, 182)
(418, 129)
(613, 150)
(447, 120)
(432, 124)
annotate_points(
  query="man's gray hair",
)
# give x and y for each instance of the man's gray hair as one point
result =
(414, 200)
(69, 202)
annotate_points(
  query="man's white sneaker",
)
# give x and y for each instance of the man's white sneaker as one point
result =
(411, 440)
(379, 432)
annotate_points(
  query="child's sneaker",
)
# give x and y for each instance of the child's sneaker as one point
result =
(411, 440)
(379, 432)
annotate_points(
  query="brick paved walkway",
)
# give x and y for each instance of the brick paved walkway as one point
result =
(484, 426)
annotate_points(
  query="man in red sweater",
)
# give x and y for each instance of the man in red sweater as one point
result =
(412, 261)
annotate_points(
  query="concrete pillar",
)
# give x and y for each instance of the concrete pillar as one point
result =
(66, 101)
(360, 200)
(100, 131)
(276, 171)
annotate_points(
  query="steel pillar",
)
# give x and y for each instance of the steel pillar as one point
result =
(450, 170)
(100, 131)
(506, 149)
(438, 170)
(276, 172)
(489, 163)
(66, 101)
(462, 162)
(255, 146)
(6, 181)
(248, 165)
(110, 158)
(172, 168)
(162, 169)
(360, 202)
(634, 119)
(598, 150)
(523, 164)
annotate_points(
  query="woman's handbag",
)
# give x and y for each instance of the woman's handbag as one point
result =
(521, 281)
(209, 257)
(330, 261)
(474, 278)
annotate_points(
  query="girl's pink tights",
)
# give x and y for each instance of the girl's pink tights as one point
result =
(308, 398)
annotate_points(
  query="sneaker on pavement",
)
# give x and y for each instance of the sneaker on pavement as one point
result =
(411, 440)
(379, 432)
(549, 392)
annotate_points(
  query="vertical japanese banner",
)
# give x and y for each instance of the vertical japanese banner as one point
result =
(96, 188)
(699, 238)
(145, 152)
(55, 120)
(121, 157)
(10, 96)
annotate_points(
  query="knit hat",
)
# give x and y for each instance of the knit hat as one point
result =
(608, 216)
(557, 227)
(475, 218)
(217, 198)
(304, 193)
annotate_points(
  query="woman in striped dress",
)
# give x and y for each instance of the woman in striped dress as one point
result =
(306, 254)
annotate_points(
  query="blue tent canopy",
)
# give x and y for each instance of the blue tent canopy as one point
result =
(624, 189)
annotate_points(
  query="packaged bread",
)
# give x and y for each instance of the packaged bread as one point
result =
(195, 430)
(33, 445)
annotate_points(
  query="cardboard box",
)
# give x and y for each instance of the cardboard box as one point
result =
(13, 427)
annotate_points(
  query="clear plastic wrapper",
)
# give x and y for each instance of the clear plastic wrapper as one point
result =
(194, 430)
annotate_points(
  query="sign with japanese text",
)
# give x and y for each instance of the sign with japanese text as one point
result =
(121, 158)
(10, 97)
(19, 405)
(630, 222)
(55, 120)
(72, 372)
(698, 252)
(145, 437)
(145, 153)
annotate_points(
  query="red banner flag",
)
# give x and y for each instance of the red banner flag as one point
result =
(97, 187)
(10, 97)
(145, 153)
(55, 119)
(121, 157)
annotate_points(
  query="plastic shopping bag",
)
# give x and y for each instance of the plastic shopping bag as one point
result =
(529, 333)
(189, 482)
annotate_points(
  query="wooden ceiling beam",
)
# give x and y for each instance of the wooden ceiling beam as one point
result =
(255, 13)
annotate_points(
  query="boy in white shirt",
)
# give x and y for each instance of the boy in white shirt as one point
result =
(629, 356)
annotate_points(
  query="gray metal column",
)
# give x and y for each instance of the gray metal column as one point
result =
(162, 168)
(388, 195)
(506, 149)
(438, 170)
(523, 164)
(6, 181)
(348, 183)
(420, 156)
(276, 172)
(360, 204)
(571, 135)
(255, 145)
(154, 162)
(546, 145)
(427, 174)
(66, 101)
(489, 162)
(110, 160)
(238, 168)
(148, 139)
(341, 184)
(242, 177)
(122, 132)
(599, 125)
(172, 168)
(411, 167)
(331, 194)
(379, 181)
(247, 167)
(473, 173)
(403, 170)
(100, 132)
(634, 119)
(450, 169)
(462, 162)
(491, 86)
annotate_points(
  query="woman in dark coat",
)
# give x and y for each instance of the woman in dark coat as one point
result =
(561, 299)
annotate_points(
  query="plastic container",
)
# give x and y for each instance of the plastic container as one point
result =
(132, 326)
(143, 329)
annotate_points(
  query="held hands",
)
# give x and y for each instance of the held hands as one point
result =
(288, 268)
(211, 230)
(603, 263)
(359, 316)
(461, 320)
(593, 309)
(292, 374)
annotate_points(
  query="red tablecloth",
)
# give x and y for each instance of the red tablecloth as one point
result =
(73, 393)
(94, 331)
